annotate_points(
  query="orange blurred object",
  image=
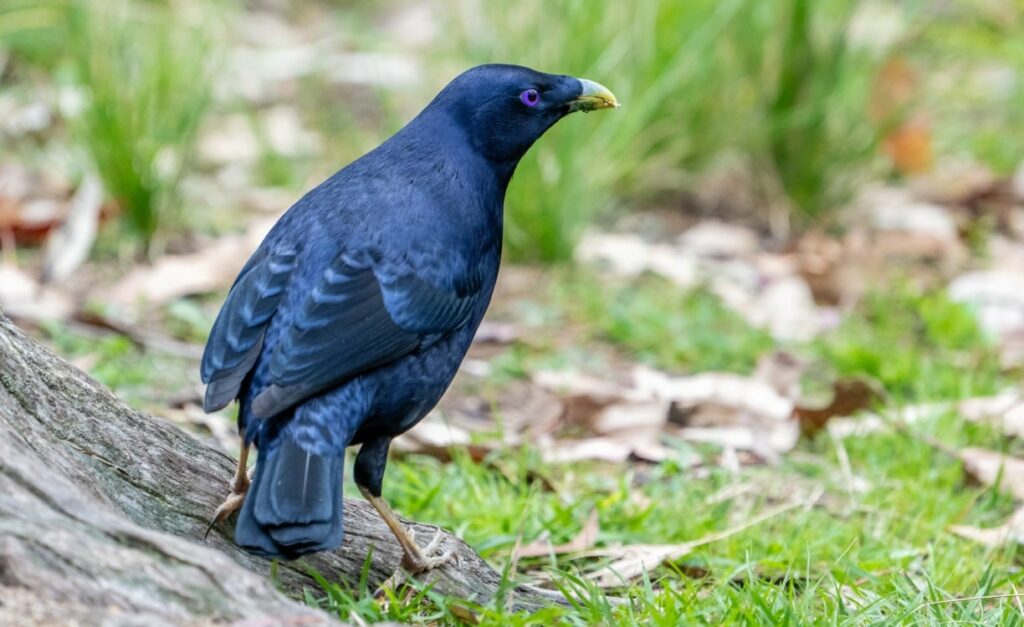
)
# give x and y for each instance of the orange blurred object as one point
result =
(910, 147)
(909, 144)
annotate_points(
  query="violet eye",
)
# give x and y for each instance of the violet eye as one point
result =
(530, 97)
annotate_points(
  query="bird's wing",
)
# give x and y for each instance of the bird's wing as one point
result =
(237, 335)
(356, 318)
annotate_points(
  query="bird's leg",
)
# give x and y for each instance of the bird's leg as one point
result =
(369, 474)
(414, 559)
(239, 486)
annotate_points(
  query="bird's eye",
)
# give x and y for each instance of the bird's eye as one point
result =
(530, 97)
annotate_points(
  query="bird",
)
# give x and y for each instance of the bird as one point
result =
(351, 318)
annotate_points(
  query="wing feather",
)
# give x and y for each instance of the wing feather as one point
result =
(355, 319)
(237, 335)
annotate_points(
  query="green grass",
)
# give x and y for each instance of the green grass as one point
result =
(658, 324)
(138, 78)
(140, 377)
(887, 543)
(918, 346)
(778, 82)
(653, 55)
(146, 77)
(871, 548)
(803, 117)
(979, 48)
(866, 544)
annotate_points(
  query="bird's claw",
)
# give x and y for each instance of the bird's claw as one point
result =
(239, 487)
(427, 558)
(418, 561)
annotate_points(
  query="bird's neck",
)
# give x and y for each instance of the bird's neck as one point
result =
(441, 128)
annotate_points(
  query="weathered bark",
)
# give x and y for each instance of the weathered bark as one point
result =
(103, 509)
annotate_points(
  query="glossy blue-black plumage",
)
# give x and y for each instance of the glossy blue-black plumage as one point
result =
(350, 320)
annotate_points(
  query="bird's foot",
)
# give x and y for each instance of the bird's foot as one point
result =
(428, 558)
(239, 487)
(416, 560)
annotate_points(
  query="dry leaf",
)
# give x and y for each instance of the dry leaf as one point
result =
(1007, 409)
(23, 297)
(822, 261)
(716, 239)
(989, 466)
(866, 423)
(785, 308)
(910, 147)
(630, 255)
(436, 437)
(609, 422)
(996, 295)
(743, 393)
(631, 561)
(1010, 531)
(765, 289)
(954, 182)
(32, 202)
(848, 397)
(497, 333)
(730, 410)
(173, 276)
(1011, 349)
(604, 449)
(584, 540)
(69, 246)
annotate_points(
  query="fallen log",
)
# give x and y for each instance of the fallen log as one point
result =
(103, 510)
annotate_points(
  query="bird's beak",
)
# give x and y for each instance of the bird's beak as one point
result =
(593, 96)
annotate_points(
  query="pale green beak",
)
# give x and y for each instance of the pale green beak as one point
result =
(593, 96)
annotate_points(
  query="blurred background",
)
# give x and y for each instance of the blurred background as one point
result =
(769, 314)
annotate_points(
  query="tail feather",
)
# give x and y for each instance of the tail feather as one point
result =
(294, 505)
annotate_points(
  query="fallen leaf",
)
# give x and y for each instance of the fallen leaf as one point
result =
(910, 147)
(603, 449)
(1011, 349)
(497, 333)
(744, 393)
(1010, 531)
(988, 467)
(867, 423)
(1006, 409)
(435, 437)
(584, 540)
(727, 409)
(633, 560)
(848, 397)
(173, 276)
(21, 296)
(716, 239)
(785, 308)
(898, 209)
(822, 261)
(1017, 182)
(954, 182)
(69, 246)
(996, 295)
(630, 255)
(608, 421)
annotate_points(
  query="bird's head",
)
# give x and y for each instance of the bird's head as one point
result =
(505, 108)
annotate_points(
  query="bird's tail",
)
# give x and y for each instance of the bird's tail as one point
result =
(294, 504)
